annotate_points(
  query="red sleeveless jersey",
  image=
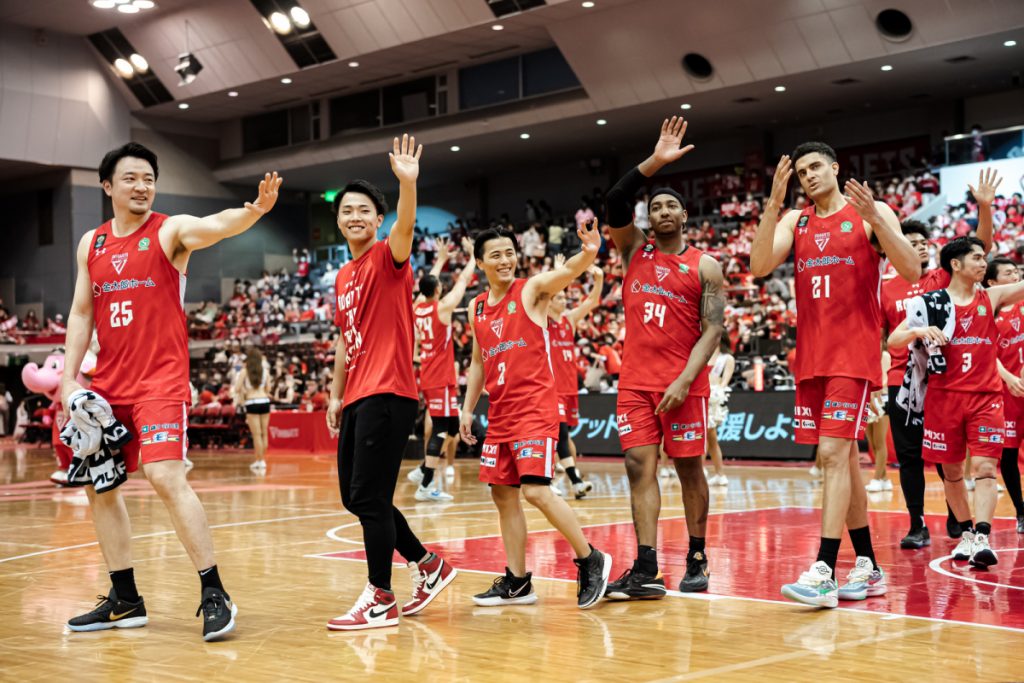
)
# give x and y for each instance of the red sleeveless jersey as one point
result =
(895, 295)
(138, 309)
(517, 368)
(563, 355)
(839, 316)
(661, 297)
(437, 354)
(374, 312)
(1010, 323)
(971, 353)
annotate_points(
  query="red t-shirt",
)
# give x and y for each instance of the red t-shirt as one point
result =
(138, 310)
(839, 314)
(971, 353)
(517, 368)
(1009, 322)
(563, 355)
(895, 295)
(374, 312)
(437, 354)
(661, 300)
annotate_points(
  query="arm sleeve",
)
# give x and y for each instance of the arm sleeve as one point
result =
(620, 198)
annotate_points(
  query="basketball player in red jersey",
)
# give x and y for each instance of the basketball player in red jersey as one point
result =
(907, 434)
(510, 359)
(131, 287)
(373, 401)
(838, 354)
(963, 406)
(1010, 321)
(674, 304)
(562, 332)
(439, 381)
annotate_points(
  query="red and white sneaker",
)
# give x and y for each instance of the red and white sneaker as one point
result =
(428, 579)
(375, 608)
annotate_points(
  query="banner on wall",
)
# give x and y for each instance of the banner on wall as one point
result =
(759, 425)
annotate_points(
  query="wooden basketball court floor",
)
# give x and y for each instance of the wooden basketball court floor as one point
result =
(290, 557)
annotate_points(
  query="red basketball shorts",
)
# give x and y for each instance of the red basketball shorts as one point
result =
(830, 406)
(159, 431)
(683, 430)
(443, 402)
(506, 463)
(569, 409)
(955, 421)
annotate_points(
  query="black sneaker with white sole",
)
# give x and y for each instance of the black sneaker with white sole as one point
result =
(592, 574)
(111, 612)
(916, 539)
(508, 590)
(635, 584)
(218, 613)
(696, 578)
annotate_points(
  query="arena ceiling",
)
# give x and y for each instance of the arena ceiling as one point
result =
(625, 53)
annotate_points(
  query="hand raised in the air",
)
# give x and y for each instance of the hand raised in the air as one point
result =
(266, 196)
(590, 237)
(559, 260)
(780, 182)
(444, 247)
(467, 246)
(988, 181)
(863, 200)
(405, 159)
(667, 149)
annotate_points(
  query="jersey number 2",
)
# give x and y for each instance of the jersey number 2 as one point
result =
(501, 374)
(121, 313)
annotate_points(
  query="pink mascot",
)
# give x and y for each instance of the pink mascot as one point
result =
(45, 379)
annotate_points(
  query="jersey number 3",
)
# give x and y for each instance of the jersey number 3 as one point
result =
(121, 313)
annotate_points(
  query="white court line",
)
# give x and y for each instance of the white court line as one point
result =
(934, 566)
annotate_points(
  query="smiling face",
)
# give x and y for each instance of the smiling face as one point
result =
(666, 214)
(358, 219)
(818, 175)
(132, 186)
(499, 260)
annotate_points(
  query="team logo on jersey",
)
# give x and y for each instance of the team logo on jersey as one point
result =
(479, 308)
(118, 261)
(821, 239)
(511, 308)
(684, 269)
(497, 326)
(635, 286)
(96, 289)
(144, 244)
(648, 251)
(1015, 324)
(846, 226)
(982, 310)
(662, 272)
(802, 222)
(100, 240)
(966, 322)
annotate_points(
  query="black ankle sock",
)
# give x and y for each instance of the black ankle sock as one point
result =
(828, 552)
(210, 578)
(916, 517)
(966, 526)
(574, 476)
(123, 581)
(647, 559)
(983, 528)
(428, 476)
(861, 539)
(696, 546)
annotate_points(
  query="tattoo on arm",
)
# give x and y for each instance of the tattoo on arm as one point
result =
(712, 303)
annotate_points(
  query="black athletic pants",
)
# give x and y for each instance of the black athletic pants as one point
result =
(374, 434)
(907, 439)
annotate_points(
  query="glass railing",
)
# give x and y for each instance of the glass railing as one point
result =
(988, 145)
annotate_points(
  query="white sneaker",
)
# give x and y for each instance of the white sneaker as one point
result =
(969, 483)
(964, 548)
(557, 489)
(879, 485)
(581, 489)
(665, 472)
(815, 472)
(432, 495)
(415, 475)
(449, 472)
(863, 581)
(982, 555)
(718, 480)
(259, 466)
(59, 477)
(815, 587)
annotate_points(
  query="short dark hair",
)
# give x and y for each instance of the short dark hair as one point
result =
(806, 148)
(129, 149)
(916, 228)
(492, 234)
(428, 285)
(992, 272)
(367, 188)
(957, 249)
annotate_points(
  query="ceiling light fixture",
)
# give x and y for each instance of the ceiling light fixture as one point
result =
(887, 67)
(286, 80)
(497, 27)
(144, 4)
(524, 136)
(455, 148)
(588, 4)
(124, 67)
(188, 66)
(125, 6)
(684, 106)
(780, 88)
(354, 64)
(280, 22)
(183, 105)
(299, 16)
(1009, 43)
(232, 93)
(103, 4)
(128, 9)
(601, 122)
(139, 62)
